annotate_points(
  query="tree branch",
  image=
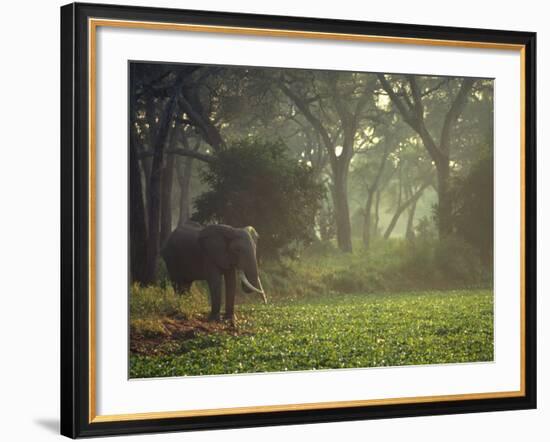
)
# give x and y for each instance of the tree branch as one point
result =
(454, 112)
(210, 132)
(412, 120)
(401, 208)
(183, 152)
(417, 99)
(396, 100)
(435, 88)
(313, 120)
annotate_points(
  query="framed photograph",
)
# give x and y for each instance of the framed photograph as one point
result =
(279, 220)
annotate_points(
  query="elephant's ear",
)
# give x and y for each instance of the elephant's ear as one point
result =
(214, 240)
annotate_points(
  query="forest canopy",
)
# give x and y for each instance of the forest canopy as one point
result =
(344, 160)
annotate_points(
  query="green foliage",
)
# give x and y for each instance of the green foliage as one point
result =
(425, 229)
(458, 260)
(257, 183)
(147, 328)
(330, 332)
(472, 198)
(389, 266)
(157, 302)
(326, 223)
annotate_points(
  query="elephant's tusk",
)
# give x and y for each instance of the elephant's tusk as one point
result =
(250, 286)
(262, 289)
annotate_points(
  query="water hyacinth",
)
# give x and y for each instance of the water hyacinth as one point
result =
(349, 331)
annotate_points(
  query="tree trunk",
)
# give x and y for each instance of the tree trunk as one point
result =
(377, 212)
(444, 207)
(154, 193)
(166, 189)
(339, 164)
(166, 202)
(367, 221)
(184, 180)
(146, 164)
(410, 222)
(138, 228)
(412, 111)
(341, 208)
(371, 191)
(401, 208)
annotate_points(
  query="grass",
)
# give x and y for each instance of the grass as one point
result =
(170, 336)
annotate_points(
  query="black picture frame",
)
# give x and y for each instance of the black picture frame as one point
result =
(75, 221)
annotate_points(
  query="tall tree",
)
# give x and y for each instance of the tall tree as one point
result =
(336, 105)
(411, 199)
(138, 228)
(408, 97)
(166, 197)
(369, 175)
(184, 172)
(154, 188)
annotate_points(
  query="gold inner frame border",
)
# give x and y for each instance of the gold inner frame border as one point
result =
(93, 24)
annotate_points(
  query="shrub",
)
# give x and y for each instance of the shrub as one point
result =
(320, 248)
(418, 262)
(458, 261)
(258, 184)
(164, 302)
(147, 328)
(354, 279)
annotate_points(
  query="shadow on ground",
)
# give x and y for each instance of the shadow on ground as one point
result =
(51, 425)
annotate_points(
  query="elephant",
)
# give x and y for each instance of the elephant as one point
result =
(193, 252)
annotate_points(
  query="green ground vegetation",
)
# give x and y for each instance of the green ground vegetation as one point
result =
(326, 310)
(325, 332)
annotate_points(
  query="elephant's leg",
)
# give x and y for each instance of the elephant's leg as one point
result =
(174, 277)
(215, 287)
(230, 288)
